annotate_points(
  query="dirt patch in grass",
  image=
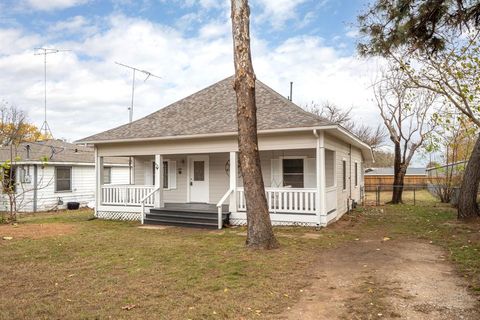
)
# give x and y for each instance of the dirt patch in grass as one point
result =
(35, 231)
(375, 279)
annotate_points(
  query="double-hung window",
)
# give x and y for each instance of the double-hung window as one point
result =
(293, 173)
(63, 179)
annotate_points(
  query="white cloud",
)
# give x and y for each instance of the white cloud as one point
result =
(277, 12)
(49, 5)
(88, 92)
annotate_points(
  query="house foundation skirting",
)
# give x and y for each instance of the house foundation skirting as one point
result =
(118, 215)
(278, 219)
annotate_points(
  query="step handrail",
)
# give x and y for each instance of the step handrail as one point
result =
(142, 202)
(220, 205)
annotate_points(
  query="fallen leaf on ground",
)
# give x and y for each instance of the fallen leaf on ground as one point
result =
(386, 238)
(129, 307)
(7, 238)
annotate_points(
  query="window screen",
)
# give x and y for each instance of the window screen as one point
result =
(344, 174)
(165, 174)
(63, 178)
(107, 175)
(356, 174)
(293, 173)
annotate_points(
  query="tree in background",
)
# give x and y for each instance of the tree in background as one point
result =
(383, 159)
(453, 138)
(259, 227)
(374, 137)
(405, 115)
(14, 129)
(430, 29)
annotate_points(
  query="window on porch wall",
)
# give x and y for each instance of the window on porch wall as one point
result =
(165, 174)
(293, 173)
(329, 168)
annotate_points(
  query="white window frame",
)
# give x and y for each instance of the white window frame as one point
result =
(292, 158)
(344, 175)
(152, 173)
(356, 170)
(71, 179)
(335, 182)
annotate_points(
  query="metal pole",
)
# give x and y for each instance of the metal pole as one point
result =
(130, 121)
(45, 90)
(414, 198)
(133, 94)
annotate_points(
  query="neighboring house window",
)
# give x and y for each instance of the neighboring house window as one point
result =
(293, 173)
(356, 174)
(107, 175)
(63, 179)
(344, 174)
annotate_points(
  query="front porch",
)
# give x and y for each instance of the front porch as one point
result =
(287, 206)
(208, 188)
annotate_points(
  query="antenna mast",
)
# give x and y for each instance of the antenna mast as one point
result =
(45, 51)
(147, 73)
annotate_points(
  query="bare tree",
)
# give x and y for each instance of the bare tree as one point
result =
(453, 74)
(259, 227)
(332, 112)
(453, 138)
(405, 115)
(14, 129)
(382, 158)
(374, 137)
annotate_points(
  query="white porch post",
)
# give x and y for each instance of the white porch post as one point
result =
(321, 183)
(233, 181)
(98, 180)
(159, 203)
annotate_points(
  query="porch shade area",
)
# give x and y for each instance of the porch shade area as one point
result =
(292, 185)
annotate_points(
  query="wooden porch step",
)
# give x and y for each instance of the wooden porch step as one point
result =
(175, 223)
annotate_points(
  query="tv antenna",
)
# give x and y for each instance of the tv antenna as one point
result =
(46, 51)
(148, 75)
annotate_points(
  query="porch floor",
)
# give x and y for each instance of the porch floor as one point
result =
(197, 215)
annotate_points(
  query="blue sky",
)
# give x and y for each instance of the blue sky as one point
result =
(327, 19)
(187, 42)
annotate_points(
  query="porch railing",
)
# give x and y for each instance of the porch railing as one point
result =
(127, 195)
(288, 200)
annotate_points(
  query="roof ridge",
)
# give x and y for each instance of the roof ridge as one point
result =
(292, 104)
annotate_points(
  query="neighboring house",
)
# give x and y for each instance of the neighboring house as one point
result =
(186, 163)
(46, 175)
(384, 177)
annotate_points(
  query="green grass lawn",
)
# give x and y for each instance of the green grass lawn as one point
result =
(65, 265)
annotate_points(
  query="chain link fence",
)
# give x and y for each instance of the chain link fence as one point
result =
(377, 195)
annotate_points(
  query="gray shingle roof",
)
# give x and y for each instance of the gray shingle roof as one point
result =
(213, 110)
(54, 151)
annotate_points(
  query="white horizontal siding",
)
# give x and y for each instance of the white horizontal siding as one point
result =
(82, 191)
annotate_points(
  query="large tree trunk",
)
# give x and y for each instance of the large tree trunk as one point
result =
(399, 171)
(467, 201)
(259, 233)
(397, 191)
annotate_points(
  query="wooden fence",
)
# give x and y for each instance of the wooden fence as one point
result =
(414, 180)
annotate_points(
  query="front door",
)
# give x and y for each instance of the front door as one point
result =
(198, 179)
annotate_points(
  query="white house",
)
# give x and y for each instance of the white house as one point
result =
(186, 167)
(46, 175)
